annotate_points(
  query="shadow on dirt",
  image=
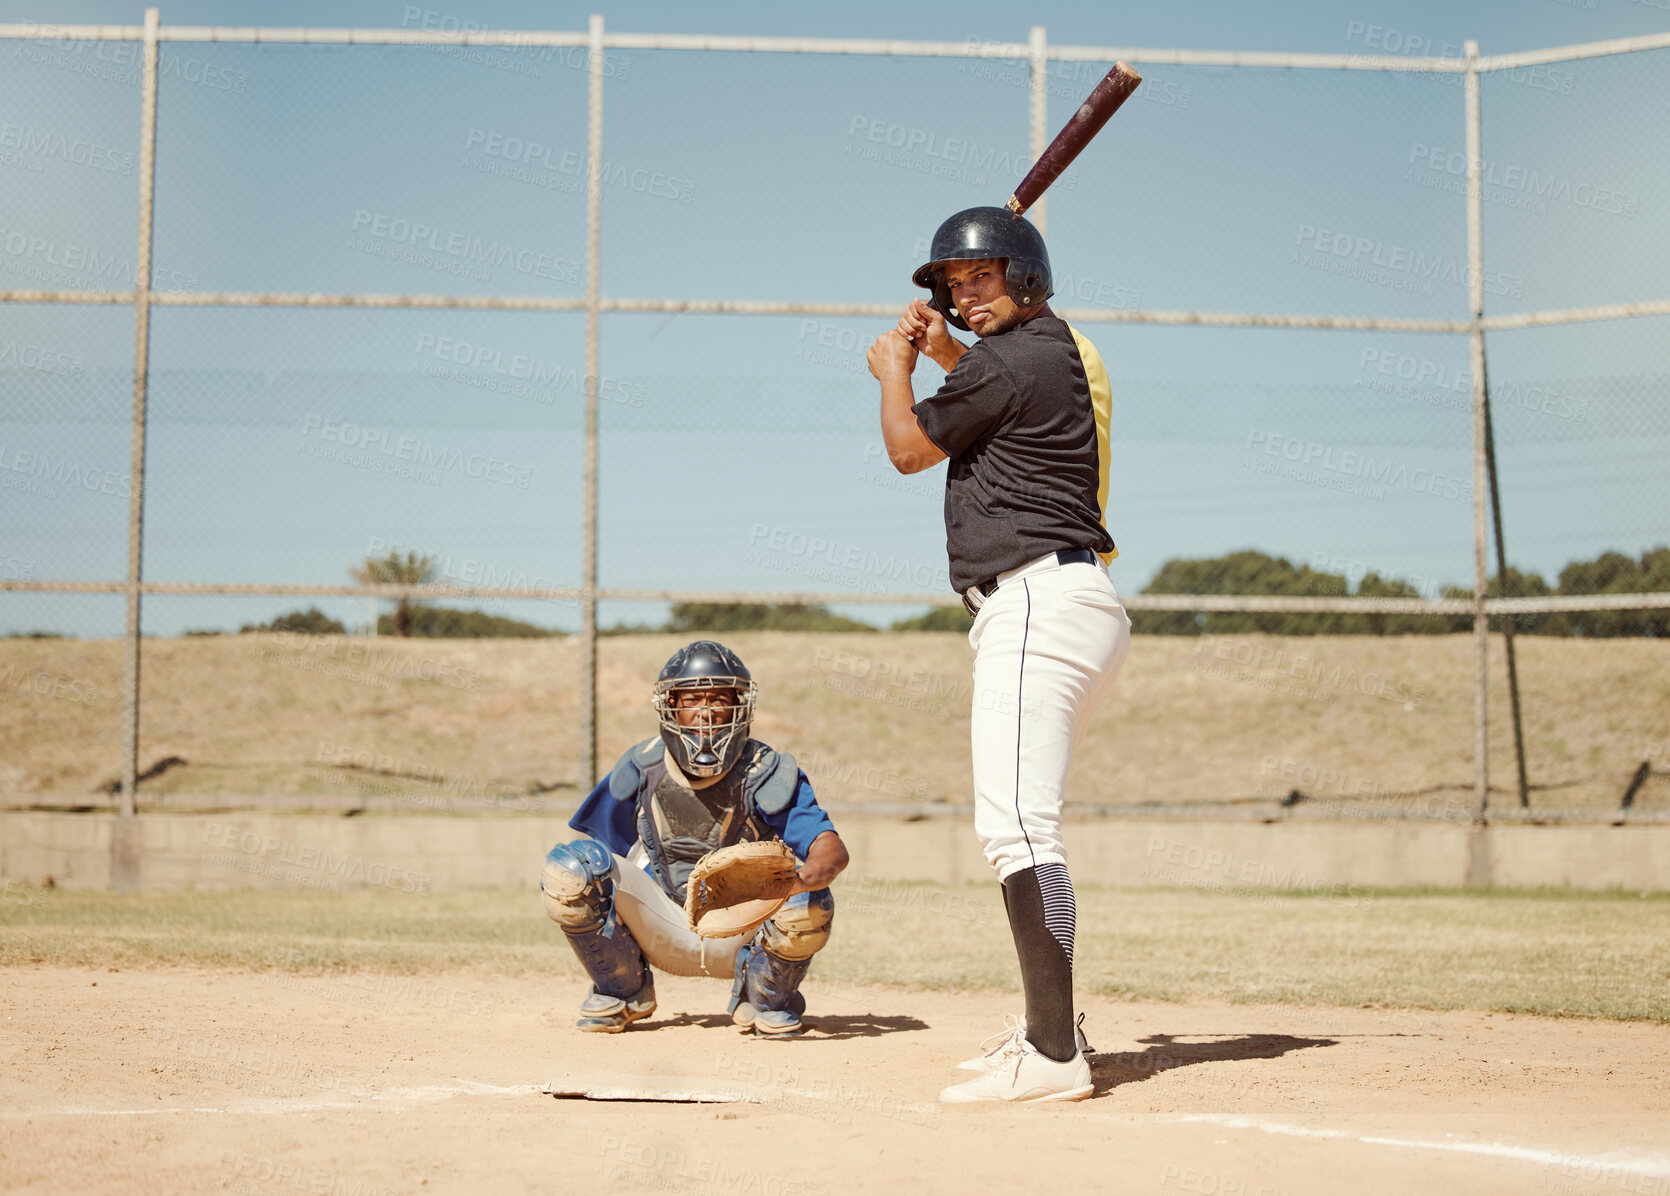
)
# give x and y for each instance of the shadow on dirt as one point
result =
(818, 1025)
(1109, 1069)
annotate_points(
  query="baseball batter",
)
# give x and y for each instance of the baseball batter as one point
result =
(1023, 417)
(618, 892)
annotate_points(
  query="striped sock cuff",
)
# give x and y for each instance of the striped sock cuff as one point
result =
(1060, 908)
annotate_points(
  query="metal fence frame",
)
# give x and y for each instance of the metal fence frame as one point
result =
(1039, 54)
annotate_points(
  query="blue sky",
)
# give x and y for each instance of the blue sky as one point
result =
(742, 452)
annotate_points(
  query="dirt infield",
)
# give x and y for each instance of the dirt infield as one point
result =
(167, 1079)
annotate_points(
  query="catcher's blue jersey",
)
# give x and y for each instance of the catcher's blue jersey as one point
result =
(614, 823)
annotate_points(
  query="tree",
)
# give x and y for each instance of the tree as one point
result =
(1615, 573)
(940, 618)
(758, 616)
(1246, 572)
(311, 621)
(443, 622)
(395, 570)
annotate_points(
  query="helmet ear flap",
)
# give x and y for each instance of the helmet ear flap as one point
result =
(1027, 281)
(944, 306)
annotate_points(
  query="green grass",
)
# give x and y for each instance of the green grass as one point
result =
(1557, 954)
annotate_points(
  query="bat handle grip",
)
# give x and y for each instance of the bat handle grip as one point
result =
(1016, 206)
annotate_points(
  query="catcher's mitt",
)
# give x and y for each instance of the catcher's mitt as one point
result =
(726, 896)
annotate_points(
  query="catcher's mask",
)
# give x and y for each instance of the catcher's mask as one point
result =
(714, 738)
(981, 233)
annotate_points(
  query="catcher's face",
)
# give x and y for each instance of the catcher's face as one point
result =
(704, 709)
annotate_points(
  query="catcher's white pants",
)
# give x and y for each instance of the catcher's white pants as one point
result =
(1048, 644)
(658, 923)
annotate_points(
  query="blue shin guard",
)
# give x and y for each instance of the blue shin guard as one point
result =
(765, 997)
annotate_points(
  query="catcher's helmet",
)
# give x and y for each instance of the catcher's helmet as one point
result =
(988, 232)
(705, 750)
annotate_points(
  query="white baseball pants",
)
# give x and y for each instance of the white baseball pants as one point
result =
(1048, 644)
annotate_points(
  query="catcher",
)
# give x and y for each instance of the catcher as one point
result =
(706, 855)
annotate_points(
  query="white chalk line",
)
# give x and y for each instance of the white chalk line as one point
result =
(390, 1100)
(1615, 1164)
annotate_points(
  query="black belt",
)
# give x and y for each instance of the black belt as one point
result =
(1064, 556)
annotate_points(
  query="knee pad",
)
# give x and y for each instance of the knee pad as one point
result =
(801, 927)
(577, 885)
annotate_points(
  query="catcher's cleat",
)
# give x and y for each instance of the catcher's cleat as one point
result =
(772, 1023)
(993, 1049)
(603, 1014)
(1022, 1074)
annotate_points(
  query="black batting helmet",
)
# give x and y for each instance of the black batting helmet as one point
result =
(705, 750)
(988, 232)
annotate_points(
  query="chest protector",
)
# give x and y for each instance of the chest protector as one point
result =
(678, 826)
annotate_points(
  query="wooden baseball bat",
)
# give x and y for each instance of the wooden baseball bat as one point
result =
(1104, 100)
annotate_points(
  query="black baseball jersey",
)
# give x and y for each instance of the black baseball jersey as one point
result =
(1024, 419)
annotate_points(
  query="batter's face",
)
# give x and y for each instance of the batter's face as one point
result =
(704, 709)
(981, 295)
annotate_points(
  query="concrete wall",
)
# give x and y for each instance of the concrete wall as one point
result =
(423, 854)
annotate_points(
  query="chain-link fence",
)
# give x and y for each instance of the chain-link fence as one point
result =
(574, 325)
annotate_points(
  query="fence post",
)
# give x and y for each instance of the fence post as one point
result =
(1481, 483)
(588, 557)
(1040, 117)
(124, 842)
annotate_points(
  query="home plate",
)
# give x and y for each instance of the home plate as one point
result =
(670, 1089)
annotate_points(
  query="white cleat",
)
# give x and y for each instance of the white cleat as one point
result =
(992, 1050)
(1022, 1074)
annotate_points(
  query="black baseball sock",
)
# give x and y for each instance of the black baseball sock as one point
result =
(1040, 906)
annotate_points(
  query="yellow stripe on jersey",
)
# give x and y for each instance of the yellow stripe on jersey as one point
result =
(1101, 401)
